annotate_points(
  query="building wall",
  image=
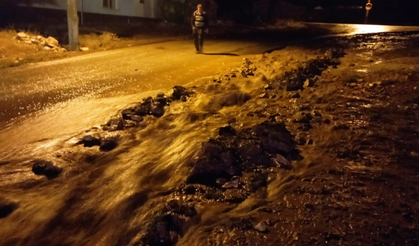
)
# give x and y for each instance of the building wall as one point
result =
(148, 9)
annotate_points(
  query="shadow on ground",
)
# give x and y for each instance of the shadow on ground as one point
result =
(220, 54)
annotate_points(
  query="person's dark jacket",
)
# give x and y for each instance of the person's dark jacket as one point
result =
(199, 20)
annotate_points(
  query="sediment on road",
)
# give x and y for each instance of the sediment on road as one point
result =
(309, 145)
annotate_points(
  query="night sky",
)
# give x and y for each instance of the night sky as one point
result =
(383, 12)
(231, 4)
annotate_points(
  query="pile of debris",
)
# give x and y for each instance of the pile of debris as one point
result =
(49, 43)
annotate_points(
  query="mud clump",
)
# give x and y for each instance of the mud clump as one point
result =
(229, 155)
(172, 222)
(7, 207)
(47, 168)
(180, 93)
(149, 107)
(90, 141)
(146, 107)
(114, 124)
(295, 80)
(218, 161)
(109, 144)
(106, 144)
(247, 69)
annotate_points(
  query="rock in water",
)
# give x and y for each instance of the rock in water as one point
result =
(52, 171)
(157, 111)
(7, 207)
(141, 110)
(161, 99)
(216, 161)
(90, 141)
(179, 91)
(47, 168)
(166, 227)
(136, 118)
(115, 124)
(39, 166)
(229, 155)
(109, 144)
(127, 114)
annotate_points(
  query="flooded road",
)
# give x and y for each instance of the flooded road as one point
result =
(160, 183)
(76, 87)
(80, 87)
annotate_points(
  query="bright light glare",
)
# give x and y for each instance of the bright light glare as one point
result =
(360, 29)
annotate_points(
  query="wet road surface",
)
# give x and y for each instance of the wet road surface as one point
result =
(111, 198)
(42, 100)
(58, 96)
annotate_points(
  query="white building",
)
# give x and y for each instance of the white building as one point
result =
(129, 8)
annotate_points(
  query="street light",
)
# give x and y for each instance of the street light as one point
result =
(368, 7)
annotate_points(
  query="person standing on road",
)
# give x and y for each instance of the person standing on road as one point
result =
(199, 22)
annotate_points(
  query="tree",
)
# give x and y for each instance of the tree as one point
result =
(73, 25)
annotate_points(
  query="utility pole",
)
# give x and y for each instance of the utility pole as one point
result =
(73, 25)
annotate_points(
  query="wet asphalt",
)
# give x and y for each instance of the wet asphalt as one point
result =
(50, 87)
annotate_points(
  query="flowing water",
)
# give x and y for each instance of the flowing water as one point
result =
(111, 197)
(102, 198)
(95, 200)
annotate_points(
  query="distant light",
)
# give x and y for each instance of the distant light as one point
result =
(319, 7)
(360, 29)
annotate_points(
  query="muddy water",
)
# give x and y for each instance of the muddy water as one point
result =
(124, 196)
(102, 197)
(109, 198)
(95, 198)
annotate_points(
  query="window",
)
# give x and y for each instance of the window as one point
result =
(110, 4)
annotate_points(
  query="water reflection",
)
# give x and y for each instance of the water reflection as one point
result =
(362, 29)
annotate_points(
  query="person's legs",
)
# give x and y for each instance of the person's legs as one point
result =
(201, 41)
(196, 39)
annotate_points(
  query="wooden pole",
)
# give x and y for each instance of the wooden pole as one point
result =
(73, 25)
